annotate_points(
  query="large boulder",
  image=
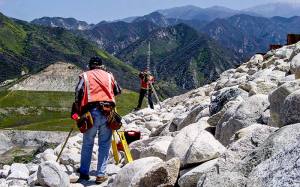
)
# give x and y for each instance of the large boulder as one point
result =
(191, 177)
(221, 97)
(18, 171)
(219, 117)
(194, 145)
(232, 81)
(281, 169)
(51, 174)
(283, 139)
(247, 113)
(267, 75)
(132, 172)
(48, 155)
(155, 146)
(192, 116)
(70, 157)
(228, 169)
(247, 139)
(295, 66)
(227, 178)
(277, 98)
(290, 111)
(160, 175)
(262, 88)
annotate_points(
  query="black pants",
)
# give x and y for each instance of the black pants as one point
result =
(143, 92)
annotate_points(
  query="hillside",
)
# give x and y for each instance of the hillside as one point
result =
(27, 49)
(180, 50)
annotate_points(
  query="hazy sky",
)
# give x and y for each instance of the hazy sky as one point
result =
(93, 11)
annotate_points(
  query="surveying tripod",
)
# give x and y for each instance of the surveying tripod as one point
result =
(124, 144)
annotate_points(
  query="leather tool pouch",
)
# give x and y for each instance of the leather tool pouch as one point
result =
(114, 120)
(85, 122)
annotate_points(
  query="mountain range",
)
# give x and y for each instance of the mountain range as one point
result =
(247, 35)
(243, 32)
(282, 9)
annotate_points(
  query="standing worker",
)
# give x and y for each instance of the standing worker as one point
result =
(146, 80)
(95, 92)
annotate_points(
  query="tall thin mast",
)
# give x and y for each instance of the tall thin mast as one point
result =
(148, 67)
(149, 56)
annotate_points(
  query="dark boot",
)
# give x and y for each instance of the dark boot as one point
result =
(82, 176)
(101, 179)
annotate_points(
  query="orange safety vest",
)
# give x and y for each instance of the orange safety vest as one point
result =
(98, 86)
(145, 84)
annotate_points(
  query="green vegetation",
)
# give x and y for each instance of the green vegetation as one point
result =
(12, 36)
(49, 111)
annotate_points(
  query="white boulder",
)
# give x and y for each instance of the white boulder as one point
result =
(194, 145)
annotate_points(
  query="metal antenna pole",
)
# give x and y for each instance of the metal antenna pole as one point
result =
(148, 67)
(148, 58)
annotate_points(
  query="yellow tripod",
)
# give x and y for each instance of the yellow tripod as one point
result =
(123, 143)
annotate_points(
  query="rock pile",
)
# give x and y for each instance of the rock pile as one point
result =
(242, 130)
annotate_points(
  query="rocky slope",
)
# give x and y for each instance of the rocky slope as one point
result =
(67, 23)
(56, 77)
(241, 130)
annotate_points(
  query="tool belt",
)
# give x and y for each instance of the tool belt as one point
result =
(114, 120)
(85, 121)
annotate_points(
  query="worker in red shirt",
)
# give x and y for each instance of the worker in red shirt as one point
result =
(146, 80)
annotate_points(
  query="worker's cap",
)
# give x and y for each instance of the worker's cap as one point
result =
(95, 61)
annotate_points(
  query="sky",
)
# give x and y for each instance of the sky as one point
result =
(94, 11)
